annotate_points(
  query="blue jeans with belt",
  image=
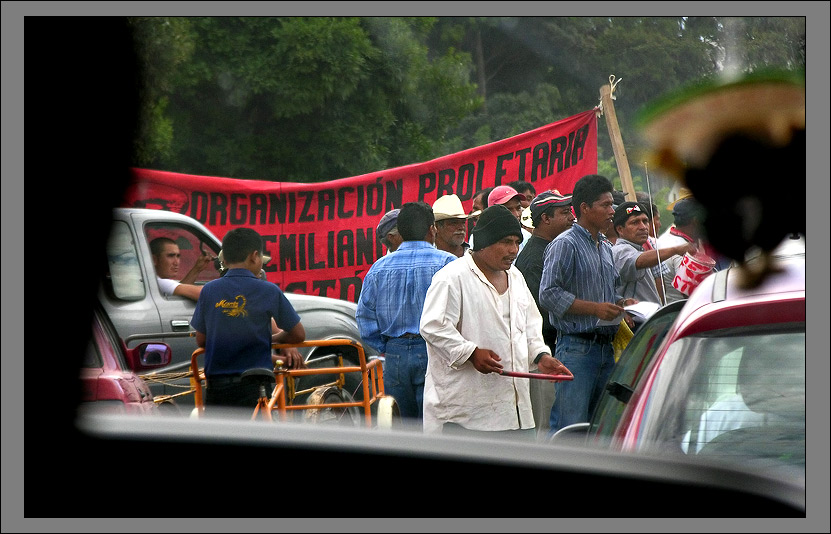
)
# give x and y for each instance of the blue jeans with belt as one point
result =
(591, 362)
(405, 366)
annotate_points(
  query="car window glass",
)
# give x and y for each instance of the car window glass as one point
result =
(734, 398)
(633, 361)
(123, 264)
(107, 341)
(92, 358)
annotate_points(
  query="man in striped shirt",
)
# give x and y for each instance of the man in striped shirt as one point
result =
(578, 288)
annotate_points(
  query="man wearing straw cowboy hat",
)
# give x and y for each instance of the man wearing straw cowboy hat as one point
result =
(451, 223)
(480, 322)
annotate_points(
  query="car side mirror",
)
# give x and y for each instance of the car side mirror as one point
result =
(149, 356)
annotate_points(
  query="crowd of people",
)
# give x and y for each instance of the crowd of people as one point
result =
(541, 285)
(465, 306)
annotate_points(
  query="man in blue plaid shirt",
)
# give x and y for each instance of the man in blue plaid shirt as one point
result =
(390, 304)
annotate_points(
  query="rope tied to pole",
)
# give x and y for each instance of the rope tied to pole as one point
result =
(612, 85)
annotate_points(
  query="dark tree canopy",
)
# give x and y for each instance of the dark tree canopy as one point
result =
(310, 99)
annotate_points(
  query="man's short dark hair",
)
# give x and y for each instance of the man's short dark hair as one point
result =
(239, 243)
(484, 194)
(688, 210)
(522, 186)
(588, 189)
(644, 198)
(415, 220)
(157, 245)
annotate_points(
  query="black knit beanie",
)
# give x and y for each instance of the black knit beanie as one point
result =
(495, 223)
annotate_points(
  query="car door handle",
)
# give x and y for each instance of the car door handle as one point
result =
(179, 325)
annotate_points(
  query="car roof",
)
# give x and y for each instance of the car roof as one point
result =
(723, 301)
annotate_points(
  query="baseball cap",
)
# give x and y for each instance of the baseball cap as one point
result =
(629, 209)
(387, 223)
(618, 198)
(448, 207)
(502, 194)
(545, 200)
(687, 208)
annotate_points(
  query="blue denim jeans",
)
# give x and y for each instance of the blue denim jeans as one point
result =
(405, 366)
(591, 363)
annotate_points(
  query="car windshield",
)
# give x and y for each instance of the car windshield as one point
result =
(735, 396)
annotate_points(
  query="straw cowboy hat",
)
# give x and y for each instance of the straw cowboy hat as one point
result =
(682, 194)
(448, 207)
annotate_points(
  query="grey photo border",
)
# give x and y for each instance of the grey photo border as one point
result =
(817, 16)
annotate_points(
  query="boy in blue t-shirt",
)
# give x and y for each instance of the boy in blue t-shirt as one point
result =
(233, 323)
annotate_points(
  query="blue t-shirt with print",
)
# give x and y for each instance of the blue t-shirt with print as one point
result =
(234, 312)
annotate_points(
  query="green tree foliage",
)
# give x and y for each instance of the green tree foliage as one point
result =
(162, 46)
(309, 99)
(314, 99)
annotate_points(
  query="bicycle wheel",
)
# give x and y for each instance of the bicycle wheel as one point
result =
(347, 416)
(388, 414)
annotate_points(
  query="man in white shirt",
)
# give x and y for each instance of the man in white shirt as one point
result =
(166, 258)
(480, 319)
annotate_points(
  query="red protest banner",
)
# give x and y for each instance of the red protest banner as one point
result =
(321, 236)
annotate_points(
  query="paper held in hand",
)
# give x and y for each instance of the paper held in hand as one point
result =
(614, 322)
(642, 310)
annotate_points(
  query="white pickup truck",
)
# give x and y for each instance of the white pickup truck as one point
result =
(131, 296)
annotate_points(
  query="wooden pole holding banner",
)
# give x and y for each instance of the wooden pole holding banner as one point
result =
(608, 107)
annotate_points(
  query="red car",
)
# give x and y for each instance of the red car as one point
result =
(720, 377)
(107, 372)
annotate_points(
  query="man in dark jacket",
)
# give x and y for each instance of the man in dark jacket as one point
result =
(551, 215)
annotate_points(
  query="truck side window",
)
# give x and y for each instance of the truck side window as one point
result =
(191, 243)
(123, 264)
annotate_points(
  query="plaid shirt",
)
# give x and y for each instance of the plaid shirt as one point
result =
(393, 291)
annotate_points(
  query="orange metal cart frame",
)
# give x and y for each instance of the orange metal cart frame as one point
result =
(372, 382)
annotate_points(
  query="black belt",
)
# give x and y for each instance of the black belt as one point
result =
(409, 336)
(592, 336)
(222, 380)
